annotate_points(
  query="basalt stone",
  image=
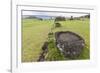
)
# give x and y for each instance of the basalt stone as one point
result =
(41, 57)
(70, 44)
(45, 46)
(44, 51)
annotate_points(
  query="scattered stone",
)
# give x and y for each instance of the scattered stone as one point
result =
(41, 57)
(44, 51)
(45, 46)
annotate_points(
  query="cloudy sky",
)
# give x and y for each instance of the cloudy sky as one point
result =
(52, 14)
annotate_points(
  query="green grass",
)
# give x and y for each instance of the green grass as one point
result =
(35, 33)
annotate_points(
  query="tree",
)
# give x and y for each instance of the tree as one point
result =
(71, 18)
(59, 18)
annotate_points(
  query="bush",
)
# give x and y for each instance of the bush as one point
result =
(71, 18)
(53, 53)
(57, 25)
(50, 35)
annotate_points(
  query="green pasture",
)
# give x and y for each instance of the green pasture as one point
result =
(35, 33)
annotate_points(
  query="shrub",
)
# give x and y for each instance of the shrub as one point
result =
(57, 25)
(53, 53)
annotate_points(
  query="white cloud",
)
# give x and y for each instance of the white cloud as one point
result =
(52, 14)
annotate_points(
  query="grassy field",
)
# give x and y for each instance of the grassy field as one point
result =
(35, 33)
